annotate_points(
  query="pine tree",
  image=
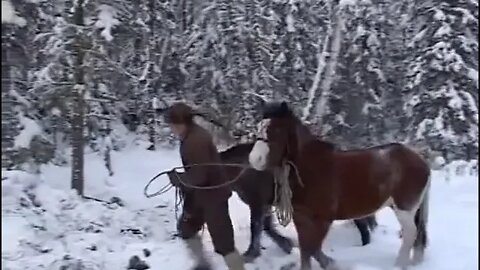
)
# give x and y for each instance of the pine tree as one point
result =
(9, 118)
(364, 72)
(17, 104)
(443, 78)
(398, 27)
(360, 86)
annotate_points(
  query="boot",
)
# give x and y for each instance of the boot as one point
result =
(195, 246)
(234, 261)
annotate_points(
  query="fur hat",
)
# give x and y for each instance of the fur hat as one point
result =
(179, 113)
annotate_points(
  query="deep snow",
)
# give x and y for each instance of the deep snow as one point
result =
(90, 231)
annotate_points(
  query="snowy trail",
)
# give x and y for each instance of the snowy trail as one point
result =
(453, 224)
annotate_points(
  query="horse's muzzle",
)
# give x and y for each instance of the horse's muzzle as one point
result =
(258, 157)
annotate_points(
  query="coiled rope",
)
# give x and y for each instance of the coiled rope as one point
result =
(283, 207)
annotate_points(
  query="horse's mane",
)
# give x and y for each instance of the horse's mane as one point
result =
(277, 110)
(281, 110)
(325, 145)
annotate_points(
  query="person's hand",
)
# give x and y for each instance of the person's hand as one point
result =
(174, 178)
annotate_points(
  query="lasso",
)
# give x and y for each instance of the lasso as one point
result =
(186, 184)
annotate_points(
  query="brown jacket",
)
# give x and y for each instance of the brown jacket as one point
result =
(196, 148)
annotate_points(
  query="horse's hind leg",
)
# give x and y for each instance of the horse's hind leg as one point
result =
(283, 242)
(362, 226)
(256, 226)
(372, 222)
(421, 222)
(406, 218)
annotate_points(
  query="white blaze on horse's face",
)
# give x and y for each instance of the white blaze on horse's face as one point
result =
(258, 157)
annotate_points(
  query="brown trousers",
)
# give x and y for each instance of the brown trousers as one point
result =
(212, 212)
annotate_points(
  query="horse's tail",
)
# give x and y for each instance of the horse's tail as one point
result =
(421, 220)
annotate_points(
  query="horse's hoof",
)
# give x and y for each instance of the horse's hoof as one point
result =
(403, 263)
(288, 266)
(332, 266)
(250, 255)
(418, 256)
(365, 242)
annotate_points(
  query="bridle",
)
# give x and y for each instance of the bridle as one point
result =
(259, 136)
(261, 139)
(283, 193)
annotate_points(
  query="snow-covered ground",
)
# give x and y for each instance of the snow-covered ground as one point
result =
(45, 226)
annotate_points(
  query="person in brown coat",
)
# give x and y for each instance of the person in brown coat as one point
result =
(203, 206)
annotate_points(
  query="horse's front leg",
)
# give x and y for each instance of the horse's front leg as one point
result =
(256, 226)
(321, 232)
(283, 242)
(311, 233)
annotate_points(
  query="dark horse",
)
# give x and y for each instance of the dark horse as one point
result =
(256, 189)
(335, 185)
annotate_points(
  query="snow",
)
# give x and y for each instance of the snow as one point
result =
(56, 111)
(107, 21)
(373, 41)
(439, 15)
(360, 32)
(347, 2)
(30, 130)
(418, 37)
(290, 23)
(467, 16)
(455, 101)
(444, 30)
(473, 75)
(9, 15)
(156, 103)
(69, 231)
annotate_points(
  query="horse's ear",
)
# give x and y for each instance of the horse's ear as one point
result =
(284, 107)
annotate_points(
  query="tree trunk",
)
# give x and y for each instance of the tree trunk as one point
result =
(184, 15)
(152, 57)
(78, 104)
(107, 154)
(331, 66)
(321, 62)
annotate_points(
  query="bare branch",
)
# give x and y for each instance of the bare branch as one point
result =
(114, 64)
(261, 97)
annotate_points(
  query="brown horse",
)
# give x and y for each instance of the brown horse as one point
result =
(256, 189)
(337, 185)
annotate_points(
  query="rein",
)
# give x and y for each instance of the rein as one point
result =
(181, 181)
(297, 173)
